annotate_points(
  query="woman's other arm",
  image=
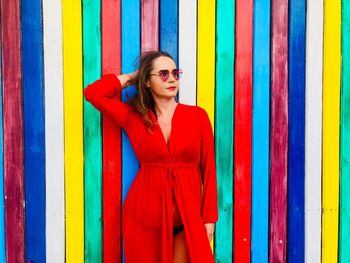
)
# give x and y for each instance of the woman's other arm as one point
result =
(208, 170)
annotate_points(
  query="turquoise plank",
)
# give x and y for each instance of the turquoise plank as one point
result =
(224, 105)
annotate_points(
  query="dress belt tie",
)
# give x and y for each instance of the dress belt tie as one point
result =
(170, 168)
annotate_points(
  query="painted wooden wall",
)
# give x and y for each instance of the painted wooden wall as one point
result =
(276, 86)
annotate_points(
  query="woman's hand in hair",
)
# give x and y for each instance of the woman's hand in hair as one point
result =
(127, 79)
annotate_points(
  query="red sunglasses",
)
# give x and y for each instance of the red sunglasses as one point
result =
(164, 74)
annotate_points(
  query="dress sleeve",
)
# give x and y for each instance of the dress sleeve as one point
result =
(104, 94)
(208, 170)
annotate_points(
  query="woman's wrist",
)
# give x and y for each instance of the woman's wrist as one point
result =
(126, 79)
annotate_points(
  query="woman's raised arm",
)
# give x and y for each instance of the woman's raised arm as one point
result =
(104, 94)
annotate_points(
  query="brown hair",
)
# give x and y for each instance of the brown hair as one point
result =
(143, 100)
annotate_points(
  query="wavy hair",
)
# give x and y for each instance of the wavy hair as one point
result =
(143, 100)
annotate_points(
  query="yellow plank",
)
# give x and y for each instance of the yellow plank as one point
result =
(206, 60)
(73, 129)
(206, 56)
(330, 133)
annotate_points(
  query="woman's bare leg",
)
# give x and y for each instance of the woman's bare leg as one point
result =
(180, 249)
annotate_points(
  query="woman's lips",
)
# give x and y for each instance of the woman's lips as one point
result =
(172, 88)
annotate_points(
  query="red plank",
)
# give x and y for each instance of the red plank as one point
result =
(112, 193)
(13, 129)
(243, 130)
(279, 131)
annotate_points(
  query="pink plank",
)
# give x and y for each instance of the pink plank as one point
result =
(149, 25)
(279, 131)
(13, 130)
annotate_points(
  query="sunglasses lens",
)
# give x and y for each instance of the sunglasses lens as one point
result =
(164, 75)
(176, 73)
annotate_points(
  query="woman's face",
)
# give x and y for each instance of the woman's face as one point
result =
(158, 87)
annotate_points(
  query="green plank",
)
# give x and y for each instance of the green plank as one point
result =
(344, 236)
(224, 98)
(92, 134)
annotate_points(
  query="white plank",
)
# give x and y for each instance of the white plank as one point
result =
(188, 51)
(55, 222)
(313, 142)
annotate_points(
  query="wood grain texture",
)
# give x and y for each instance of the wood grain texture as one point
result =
(260, 130)
(54, 131)
(13, 130)
(313, 131)
(2, 204)
(344, 230)
(34, 130)
(168, 27)
(130, 51)
(243, 130)
(149, 25)
(92, 134)
(111, 63)
(296, 131)
(330, 130)
(73, 128)
(278, 131)
(188, 58)
(224, 105)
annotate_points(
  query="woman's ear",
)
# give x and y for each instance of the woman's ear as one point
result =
(147, 84)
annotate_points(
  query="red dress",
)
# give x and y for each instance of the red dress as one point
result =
(184, 169)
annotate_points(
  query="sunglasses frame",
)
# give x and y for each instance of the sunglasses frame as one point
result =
(164, 78)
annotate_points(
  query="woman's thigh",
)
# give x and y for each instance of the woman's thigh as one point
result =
(180, 249)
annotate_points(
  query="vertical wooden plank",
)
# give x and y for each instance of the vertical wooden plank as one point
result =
(296, 131)
(53, 61)
(34, 130)
(344, 231)
(243, 130)
(313, 131)
(92, 135)
(130, 50)
(73, 127)
(13, 130)
(224, 104)
(111, 60)
(330, 131)
(260, 140)
(2, 205)
(188, 58)
(278, 131)
(168, 27)
(206, 58)
(149, 25)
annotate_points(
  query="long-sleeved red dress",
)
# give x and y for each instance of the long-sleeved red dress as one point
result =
(184, 168)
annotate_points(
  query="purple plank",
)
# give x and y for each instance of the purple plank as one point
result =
(279, 131)
(13, 130)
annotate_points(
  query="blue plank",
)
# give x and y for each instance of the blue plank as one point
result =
(34, 130)
(2, 212)
(169, 29)
(296, 140)
(260, 149)
(131, 48)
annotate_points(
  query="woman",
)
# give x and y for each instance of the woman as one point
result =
(170, 211)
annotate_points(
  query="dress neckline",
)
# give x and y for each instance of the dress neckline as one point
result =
(155, 120)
